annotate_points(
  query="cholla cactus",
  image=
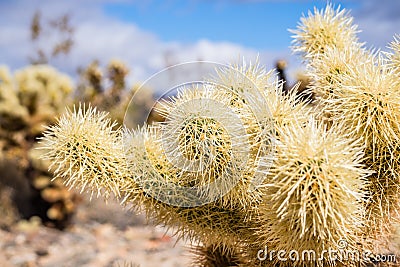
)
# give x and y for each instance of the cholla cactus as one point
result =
(368, 100)
(77, 147)
(394, 56)
(239, 76)
(286, 109)
(365, 96)
(12, 113)
(195, 172)
(326, 71)
(214, 256)
(42, 90)
(105, 88)
(151, 168)
(313, 197)
(117, 72)
(325, 28)
(81, 133)
(91, 83)
(214, 144)
(77, 142)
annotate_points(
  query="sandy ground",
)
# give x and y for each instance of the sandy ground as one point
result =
(101, 235)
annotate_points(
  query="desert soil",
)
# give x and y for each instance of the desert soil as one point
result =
(101, 235)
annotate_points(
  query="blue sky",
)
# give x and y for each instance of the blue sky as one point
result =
(149, 35)
(257, 24)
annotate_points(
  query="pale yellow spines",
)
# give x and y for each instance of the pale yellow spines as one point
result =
(41, 88)
(361, 89)
(394, 55)
(285, 108)
(206, 138)
(323, 29)
(152, 175)
(155, 186)
(369, 103)
(314, 193)
(326, 71)
(239, 76)
(86, 151)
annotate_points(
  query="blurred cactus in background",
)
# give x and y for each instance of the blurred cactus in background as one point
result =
(106, 88)
(43, 92)
(90, 82)
(30, 99)
(240, 162)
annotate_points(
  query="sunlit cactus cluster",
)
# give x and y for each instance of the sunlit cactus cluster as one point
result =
(314, 191)
(238, 164)
(42, 86)
(33, 94)
(361, 89)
